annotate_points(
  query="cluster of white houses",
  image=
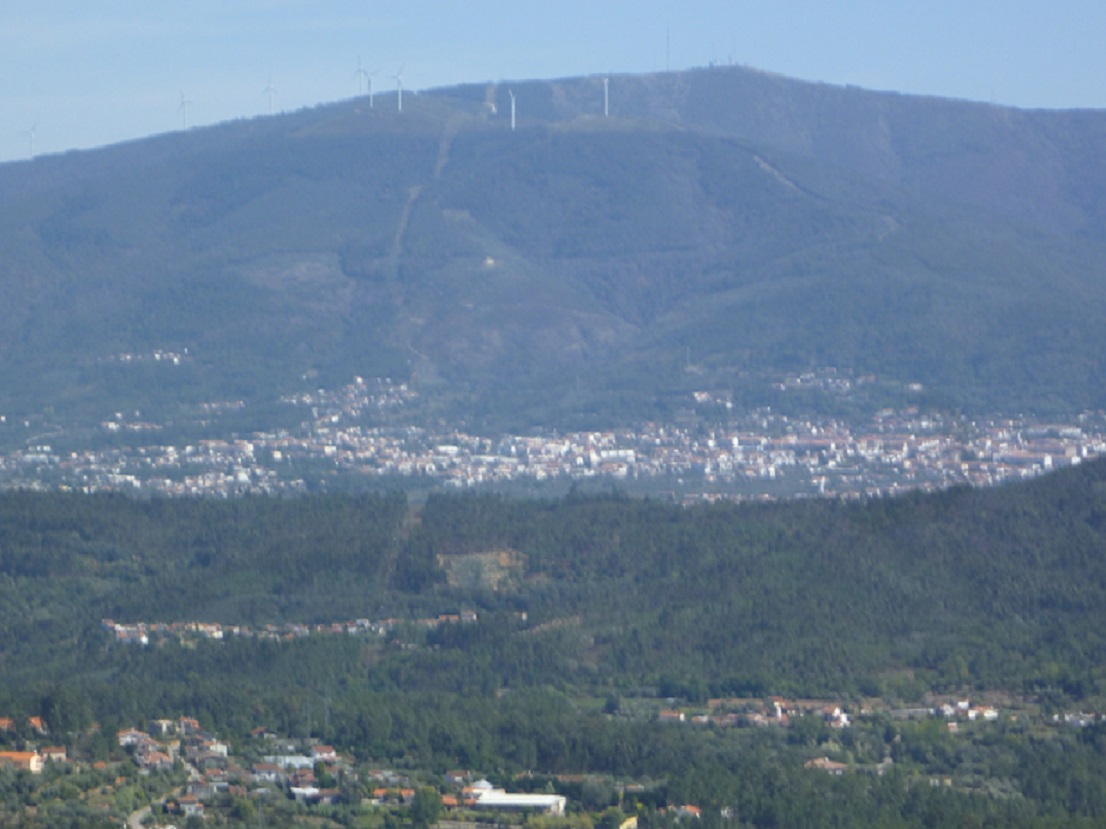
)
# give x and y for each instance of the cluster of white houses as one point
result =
(140, 633)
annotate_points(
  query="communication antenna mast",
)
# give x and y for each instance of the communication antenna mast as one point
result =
(270, 90)
(512, 94)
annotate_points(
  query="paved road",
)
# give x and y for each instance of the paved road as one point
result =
(136, 818)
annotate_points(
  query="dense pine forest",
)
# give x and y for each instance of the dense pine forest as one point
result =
(582, 617)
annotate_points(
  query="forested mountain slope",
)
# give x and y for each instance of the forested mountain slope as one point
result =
(719, 228)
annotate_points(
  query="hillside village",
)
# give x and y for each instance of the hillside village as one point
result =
(200, 770)
(143, 633)
(760, 455)
(196, 772)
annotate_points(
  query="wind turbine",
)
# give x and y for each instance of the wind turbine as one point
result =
(361, 75)
(398, 76)
(184, 102)
(271, 91)
(31, 137)
(370, 79)
(512, 94)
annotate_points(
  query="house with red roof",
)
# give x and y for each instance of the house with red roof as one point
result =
(29, 760)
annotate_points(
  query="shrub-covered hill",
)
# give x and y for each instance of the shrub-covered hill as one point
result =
(721, 227)
(1002, 587)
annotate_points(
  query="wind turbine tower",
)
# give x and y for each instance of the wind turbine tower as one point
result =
(512, 94)
(184, 102)
(270, 90)
(369, 77)
(31, 137)
(606, 98)
(399, 89)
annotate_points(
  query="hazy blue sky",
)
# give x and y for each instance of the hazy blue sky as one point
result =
(89, 72)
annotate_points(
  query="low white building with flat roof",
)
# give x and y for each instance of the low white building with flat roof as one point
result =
(499, 800)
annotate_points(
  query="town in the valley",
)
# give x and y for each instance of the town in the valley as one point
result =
(356, 436)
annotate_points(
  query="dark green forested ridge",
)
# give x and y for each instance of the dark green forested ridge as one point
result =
(1001, 587)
